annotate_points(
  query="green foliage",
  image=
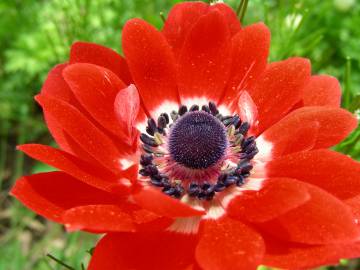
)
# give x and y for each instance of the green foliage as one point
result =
(35, 35)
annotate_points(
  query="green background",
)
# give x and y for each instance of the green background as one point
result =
(35, 35)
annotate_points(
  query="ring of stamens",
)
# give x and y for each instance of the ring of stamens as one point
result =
(155, 162)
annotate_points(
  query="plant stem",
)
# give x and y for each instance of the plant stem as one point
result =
(162, 16)
(347, 83)
(241, 10)
(60, 262)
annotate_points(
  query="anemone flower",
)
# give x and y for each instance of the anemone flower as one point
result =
(193, 152)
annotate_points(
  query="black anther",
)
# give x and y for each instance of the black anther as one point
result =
(240, 181)
(194, 189)
(228, 121)
(174, 116)
(146, 159)
(244, 128)
(222, 177)
(148, 149)
(213, 108)
(151, 126)
(156, 182)
(247, 141)
(236, 121)
(166, 117)
(244, 167)
(162, 122)
(152, 170)
(148, 140)
(205, 108)
(182, 110)
(205, 186)
(219, 186)
(230, 180)
(194, 108)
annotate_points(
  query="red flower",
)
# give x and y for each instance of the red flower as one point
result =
(194, 152)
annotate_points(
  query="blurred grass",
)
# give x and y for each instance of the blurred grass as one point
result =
(35, 35)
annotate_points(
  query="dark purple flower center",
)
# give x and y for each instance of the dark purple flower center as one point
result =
(197, 140)
(196, 151)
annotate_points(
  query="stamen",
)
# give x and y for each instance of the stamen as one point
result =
(239, 139)
(205, 108)
(230, 180)
(244, 128)
(151, 126)
(146, 159)
(194, 190)
(219, 186)
(174, 116)
(148, 140)
(236, 149)
(236, 121)
(182, 110)
(247, 141)
(162, 122)
(231, 131)
(194, 108)
(166, 116)
(148, 149)
(227, 121)
(158, 138)
(195, 143)
(213, 109)
(244, 167)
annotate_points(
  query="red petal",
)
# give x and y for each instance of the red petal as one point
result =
(322, 90)
(324, 219)
(127, 105)
(144, 251)
(230, 16)
(335, 124)
(247, 109)
(323, 127)
(276, 197)
(250, 51)
(332, 171)
(94, 85)
(50, 194)
(85, 52)
(96, 143)
(287, 255)
(98, 218)
(147, 221)
(229, 244)
(279, 89)
(76, 149)
(204, 61)
(291, 139)
(182, 17)
(354, 204)
(151, 63)
(83, 171)
(56, 86)
(163, 205)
